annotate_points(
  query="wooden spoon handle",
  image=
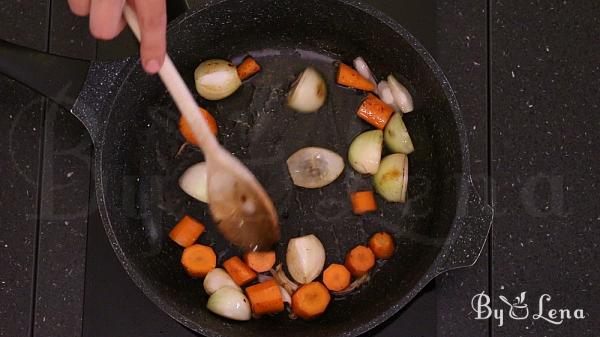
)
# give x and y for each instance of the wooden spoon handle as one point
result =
(180, 93)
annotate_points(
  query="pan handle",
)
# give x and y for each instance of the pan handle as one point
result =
(58, 78)
(473, 223)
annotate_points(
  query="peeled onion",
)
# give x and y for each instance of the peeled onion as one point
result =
(217, 279)
(216, 79)
(309, 91)
(364, 153)
(194, 182)
(385, 94)
(314, 167)
(305, 258)
(363, 69)
(402, 97)
(282, 279)
(391, 179)
(396, 135)
(230, 303)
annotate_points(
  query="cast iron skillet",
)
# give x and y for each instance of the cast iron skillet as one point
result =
(133, 125)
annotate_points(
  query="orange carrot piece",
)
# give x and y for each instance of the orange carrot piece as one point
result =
(374, 111)
(198, 260)
(382, 245)
(248, 68)
(310, 300)
(260, 262)
(186, 232)
(336, 277)
(239, 271)
(186, 129)
(363, 202)
(360, 260)
(349, 77)
(265, 298)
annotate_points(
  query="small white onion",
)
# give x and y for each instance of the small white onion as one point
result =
(363, 69)
(396, 135)
(364, 153)
(309, 91)
(391, 180)
(230, 303)
(194, 182)
(401, 95)
(314, 167)
(217, 279)
(216, 79)
(305, 258)
(385, 93)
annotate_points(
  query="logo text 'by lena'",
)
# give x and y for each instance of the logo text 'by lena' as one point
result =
(520, 310)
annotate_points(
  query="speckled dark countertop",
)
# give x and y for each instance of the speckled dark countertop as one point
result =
(527, 76)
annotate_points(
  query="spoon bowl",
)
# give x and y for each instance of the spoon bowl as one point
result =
(244, 212)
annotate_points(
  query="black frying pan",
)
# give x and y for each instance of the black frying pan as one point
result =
(133, 125)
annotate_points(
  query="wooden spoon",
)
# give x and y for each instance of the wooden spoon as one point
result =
(244, 212)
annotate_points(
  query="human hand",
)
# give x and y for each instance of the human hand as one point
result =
(106, 22)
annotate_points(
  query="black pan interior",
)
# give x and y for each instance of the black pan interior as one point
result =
(140, 167)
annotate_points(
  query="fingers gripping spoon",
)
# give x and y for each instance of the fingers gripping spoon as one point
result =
(238, 203)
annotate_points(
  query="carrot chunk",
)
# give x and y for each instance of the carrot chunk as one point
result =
(363, 202)
(310, 300)
(186, 130)
(265, 298)
(336, 277)
(382, 245)
(186, 231)
(260, 262)
(374, 111)
(239, 271)
(360, 260)
(248, 68)
(198, 260)
(349, 77)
